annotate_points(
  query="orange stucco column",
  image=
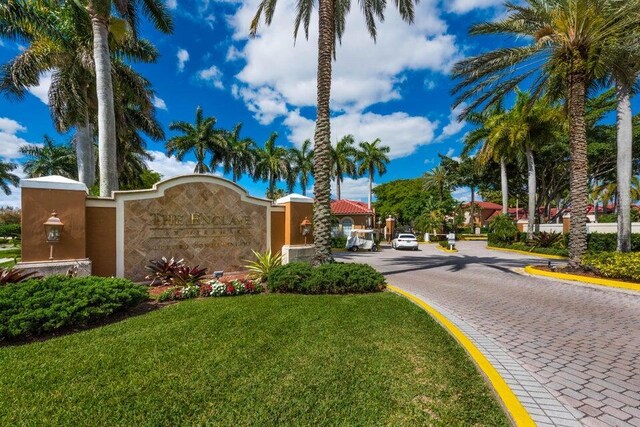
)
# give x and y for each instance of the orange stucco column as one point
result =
(41, 197)
(296, 209)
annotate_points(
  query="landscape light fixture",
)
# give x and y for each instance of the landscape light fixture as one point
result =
(305, 228)
(218, 274)
(53, 231)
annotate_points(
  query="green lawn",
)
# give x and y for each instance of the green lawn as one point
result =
(9, 253)
(256, 360)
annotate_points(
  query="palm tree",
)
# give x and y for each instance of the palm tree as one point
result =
(527, 126)
(7, 178)
(331, 24)
(372, 157)
(202, 138)
(302, 164)
(102, 24)
(343, 161)
(271, 163)
(625, 74)
(238, 153)
(564, 52)
(494, 145)
(61, 42)
(437, 179)
(50, 159)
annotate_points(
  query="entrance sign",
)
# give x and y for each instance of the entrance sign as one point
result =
(204, 219)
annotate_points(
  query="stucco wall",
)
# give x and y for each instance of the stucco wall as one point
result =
(101, 239)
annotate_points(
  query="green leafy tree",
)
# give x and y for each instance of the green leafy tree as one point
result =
(372, 158)
(272, 163)
(301, 161)
(238, 154)
(561, 50)
(7, 177)
(343, 161)
(50, 159)
(332, 18)
(406, 199)
(201, 138)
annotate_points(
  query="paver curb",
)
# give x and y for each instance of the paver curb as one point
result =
(446, 250)
(493, 248)
(530, 269)
(515, 409)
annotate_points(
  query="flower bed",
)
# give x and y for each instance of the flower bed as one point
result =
(211, 288)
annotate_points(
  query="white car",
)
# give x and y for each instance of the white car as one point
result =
(405, 241)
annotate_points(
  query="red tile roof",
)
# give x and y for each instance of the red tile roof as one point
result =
(349, 207)
(486, 205)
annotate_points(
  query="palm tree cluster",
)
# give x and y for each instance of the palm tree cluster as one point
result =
(563, 50)
(94, 90)
(213, 147)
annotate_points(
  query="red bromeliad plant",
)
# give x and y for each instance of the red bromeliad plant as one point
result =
(8, 276)
(185, 276)
(162, 271)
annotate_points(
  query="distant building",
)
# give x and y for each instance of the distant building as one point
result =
(484, 213)
(351, 215)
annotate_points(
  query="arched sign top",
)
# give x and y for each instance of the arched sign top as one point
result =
(159, 188)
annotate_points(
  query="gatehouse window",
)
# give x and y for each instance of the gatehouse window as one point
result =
(347, 226)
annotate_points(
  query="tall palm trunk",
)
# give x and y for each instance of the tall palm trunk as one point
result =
(531, 187)
(322, 135)
(370, 187)
(624, 142)
(85, 156)
(106, 114)
(473, 209)
(338, 187)
(504, 186)
(578, 147)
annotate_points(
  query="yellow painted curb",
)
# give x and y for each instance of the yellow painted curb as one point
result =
(493, 248)
(577, 278)
(446, 250)
(518, 413)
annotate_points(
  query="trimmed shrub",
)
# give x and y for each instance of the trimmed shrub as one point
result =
(615, 265)
(445, 244)
(10, 230)
(38, 306)
(334, 278)
(503, 229)
(338, 242)
(288, 277)
(521, 246)
(608, 242)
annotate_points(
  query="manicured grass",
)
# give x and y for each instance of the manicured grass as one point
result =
(260, 360)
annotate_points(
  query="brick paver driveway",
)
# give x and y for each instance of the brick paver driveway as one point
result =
(581, 343)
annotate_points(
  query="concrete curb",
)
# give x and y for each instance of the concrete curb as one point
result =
(516, 251)
(446, 250)
(530, 269)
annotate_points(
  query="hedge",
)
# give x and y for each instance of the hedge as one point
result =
(334, 278)
(596, 242)
(44, 305)
(521, 246)
(338, 242)
(615, 265)
(10, 230)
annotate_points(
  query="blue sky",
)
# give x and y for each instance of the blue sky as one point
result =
(396, 89)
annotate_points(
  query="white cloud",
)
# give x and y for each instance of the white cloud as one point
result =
(454, 126)
(401, 132)
(159, 103)
(42, 90)
(14, 199)
(265, 103)
(9, 142)
(171, 4)
(465, 6)
(233, 54)
(183, 57)
(365, 72)
(353, 189)
(169, 166)
(429, 84)
(212, 76)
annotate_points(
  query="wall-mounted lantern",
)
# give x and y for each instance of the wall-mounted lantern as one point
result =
(305, 228)
(53, 231)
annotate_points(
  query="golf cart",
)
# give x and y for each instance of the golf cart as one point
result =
(361, 240)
